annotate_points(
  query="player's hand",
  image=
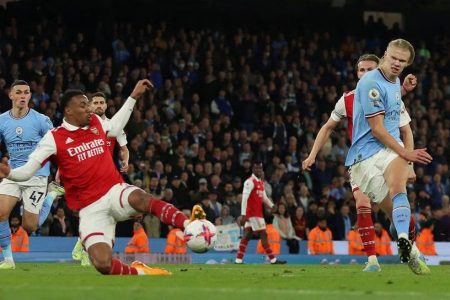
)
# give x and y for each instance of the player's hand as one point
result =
(307, 163)
(242, 220)
(141, 87)
(409, 83)
(418, 156)
(274, 210)
(5, 169)
(123, 166)
(411, 174)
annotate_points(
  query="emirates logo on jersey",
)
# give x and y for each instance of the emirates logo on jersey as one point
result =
(87, 150)
(94, 130)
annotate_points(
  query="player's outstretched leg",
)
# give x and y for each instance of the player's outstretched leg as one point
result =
(5, 243)
(101, 257)
(54, 191)
(417, 263)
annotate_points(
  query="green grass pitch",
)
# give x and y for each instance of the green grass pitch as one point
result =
(230, 282)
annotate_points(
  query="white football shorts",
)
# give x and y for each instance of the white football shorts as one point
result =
(32, 192)
(255, 223)
(98, 220)
(368, 174)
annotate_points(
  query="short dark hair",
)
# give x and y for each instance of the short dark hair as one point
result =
(19, 82)
(67, 97)
(368, 57)
(257, 162)
(98, 94)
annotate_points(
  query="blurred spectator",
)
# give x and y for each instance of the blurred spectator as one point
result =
(19, 237)
(61, 224)
(175, 243)
(355, 244)
(425, 239)
(282, 223)
(320, 239)
(382, 240)
(139, 241)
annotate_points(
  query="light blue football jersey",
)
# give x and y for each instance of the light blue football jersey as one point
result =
(374, 95)
(21, 137)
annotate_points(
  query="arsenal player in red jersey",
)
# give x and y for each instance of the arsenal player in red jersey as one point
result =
(344, 110)
(93, 184)
(253, 198)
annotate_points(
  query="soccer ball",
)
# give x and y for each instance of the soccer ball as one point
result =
(200, 235)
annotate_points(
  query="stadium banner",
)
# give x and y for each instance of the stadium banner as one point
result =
(228, 237)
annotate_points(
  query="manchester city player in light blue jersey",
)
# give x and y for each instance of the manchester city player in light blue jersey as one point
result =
(21, 128)
(377, 157)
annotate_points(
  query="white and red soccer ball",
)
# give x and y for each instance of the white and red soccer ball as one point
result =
(200, 235)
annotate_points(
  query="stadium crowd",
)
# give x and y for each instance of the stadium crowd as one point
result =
(224, 98)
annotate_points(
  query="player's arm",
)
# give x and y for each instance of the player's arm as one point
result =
(407, 137)
(124, 156)
(267, 201)
(409, 84)
(373, 108)
(321, 139)
(324, 133)
(121, 118)
(38, 158)
(248, 187)
(380, 133)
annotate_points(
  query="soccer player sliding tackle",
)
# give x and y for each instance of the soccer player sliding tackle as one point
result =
(92, 183)
(377, 158)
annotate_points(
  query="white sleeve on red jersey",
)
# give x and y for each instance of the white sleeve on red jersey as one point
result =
(40, 155)
(122, 139)
(339, 112)
(120, 119)
(248, 187)
(404, 116)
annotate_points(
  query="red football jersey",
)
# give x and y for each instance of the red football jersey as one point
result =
(84, 161)
(255, 187)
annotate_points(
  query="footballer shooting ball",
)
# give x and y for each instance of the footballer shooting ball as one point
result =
(200, 235)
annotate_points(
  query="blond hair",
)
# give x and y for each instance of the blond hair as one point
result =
(404, 44)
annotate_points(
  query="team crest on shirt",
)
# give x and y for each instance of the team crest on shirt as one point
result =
(398, 96)
(19, 130)
(94, 130)
(374, 96)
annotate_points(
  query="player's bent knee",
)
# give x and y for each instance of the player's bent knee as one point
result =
(103, 267)
(102, 264)
(139, 200)
(29, 228)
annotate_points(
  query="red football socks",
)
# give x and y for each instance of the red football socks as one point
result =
(365, 229)
(167, 213)
(119, 268)
(242, 247)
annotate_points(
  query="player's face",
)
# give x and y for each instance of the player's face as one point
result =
(258, 170)
(365, 66)
(98, 106)
(395, 60)
(78, 111)
(20, 96)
